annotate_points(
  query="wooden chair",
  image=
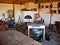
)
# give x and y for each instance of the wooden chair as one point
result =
(3, 26)
(20, 27)
(57, 23)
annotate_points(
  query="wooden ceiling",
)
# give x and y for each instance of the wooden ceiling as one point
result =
(24, 1)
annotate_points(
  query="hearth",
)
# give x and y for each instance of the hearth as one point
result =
(27, 18)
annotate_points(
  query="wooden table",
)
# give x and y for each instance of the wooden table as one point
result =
(13, 37)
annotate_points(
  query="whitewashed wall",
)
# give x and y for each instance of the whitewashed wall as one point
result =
(56, 17)
(44, 12)
(4, 8)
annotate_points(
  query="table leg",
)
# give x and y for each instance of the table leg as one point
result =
(28, 33)
(44, 35)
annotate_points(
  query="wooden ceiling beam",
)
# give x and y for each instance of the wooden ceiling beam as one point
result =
(24, 1)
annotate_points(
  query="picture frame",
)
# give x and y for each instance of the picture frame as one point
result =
(46, 6)
(50, 6)
(58, 11)
(42, 6)
(39, 5)
(54, 11)
(58, 4)
(35, 9)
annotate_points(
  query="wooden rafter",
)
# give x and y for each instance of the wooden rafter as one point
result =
(24, 1)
